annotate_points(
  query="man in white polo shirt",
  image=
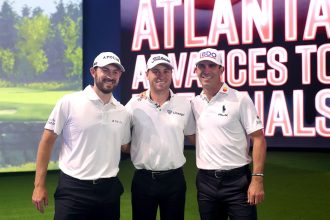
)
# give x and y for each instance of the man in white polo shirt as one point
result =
(94, 126)
(159, 123)
(226, 121)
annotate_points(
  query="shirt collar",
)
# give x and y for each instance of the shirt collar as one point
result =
(91, 95)
(149, 97)
(223, 90)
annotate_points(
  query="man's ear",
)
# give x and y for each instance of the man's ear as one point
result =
(92, 71)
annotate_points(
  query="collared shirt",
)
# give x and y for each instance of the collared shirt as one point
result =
(223, 125)
(92, 134)
(158, 132)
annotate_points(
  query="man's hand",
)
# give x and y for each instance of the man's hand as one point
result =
(256, 192)
(40, 198)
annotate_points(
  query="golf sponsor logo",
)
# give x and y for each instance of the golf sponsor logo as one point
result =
(223, 111)
(175, 113)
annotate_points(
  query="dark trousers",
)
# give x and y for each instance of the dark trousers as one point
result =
(223, 194)
(84, 200)
(165, 189)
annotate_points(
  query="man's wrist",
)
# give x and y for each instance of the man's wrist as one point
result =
(257, 174)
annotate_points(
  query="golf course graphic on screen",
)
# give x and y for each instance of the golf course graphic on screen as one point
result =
(40, 61)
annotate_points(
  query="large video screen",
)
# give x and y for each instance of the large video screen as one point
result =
(40, 61)
(278, 51)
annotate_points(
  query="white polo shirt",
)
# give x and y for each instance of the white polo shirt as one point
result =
(158, 132)
(92, 134)
(223, 125)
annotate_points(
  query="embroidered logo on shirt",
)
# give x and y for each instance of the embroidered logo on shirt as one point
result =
(175, 113)
(51, 121)
(258, 121)
(223, 111)
(116, 121)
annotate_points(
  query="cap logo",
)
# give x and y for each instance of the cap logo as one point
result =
(208, 54)
(160, 58)
(111, 57)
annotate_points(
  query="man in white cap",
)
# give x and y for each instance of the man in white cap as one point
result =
(159, 123)
(94, 126)
(226, 120)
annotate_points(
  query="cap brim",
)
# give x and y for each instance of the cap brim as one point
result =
(116, 64)
(120, 66)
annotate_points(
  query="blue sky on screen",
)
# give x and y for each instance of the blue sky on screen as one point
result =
(48, 6)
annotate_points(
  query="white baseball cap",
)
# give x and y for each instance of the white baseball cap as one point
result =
(106, 58)
(209, 54)
(156, 59)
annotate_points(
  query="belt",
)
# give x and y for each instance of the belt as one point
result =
(92, 182)
(159, 174)
(236, 172)
(98, 181)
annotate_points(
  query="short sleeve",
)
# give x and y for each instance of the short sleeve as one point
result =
(57, 117)
(249, 115)
(127, 130)
(190, 125)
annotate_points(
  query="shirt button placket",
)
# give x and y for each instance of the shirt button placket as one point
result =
(104, 115)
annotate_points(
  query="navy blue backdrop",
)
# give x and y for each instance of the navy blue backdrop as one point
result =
(101, 32)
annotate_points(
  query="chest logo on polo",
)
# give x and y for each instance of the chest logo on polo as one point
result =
(223, 111)
(116, 121)
(174, 112)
